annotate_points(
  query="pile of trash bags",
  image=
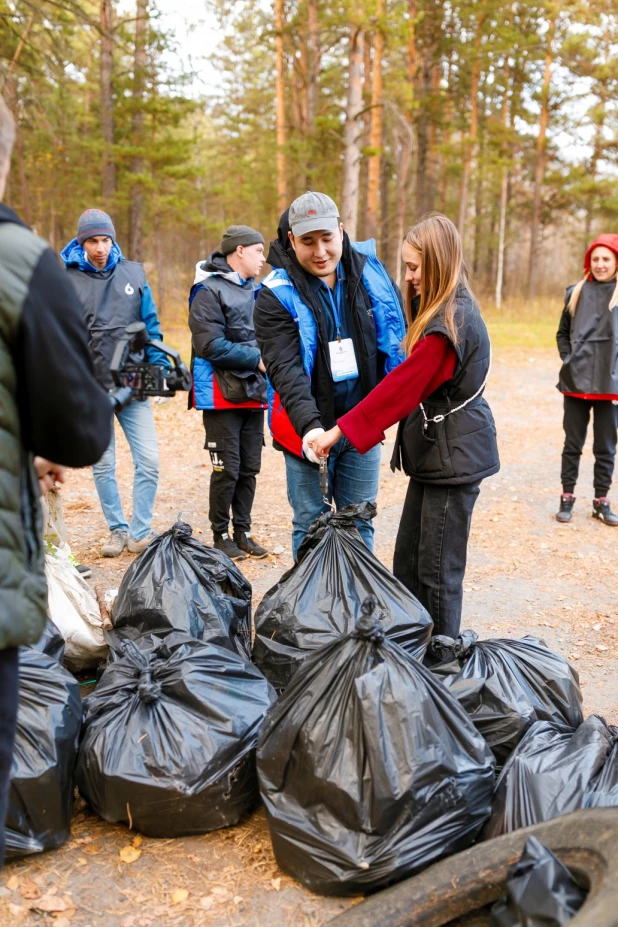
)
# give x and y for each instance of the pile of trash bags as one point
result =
(320, 598)
(179, 583)
(555, 770)
(540, 891)
(48, 727)
(369, 769)
(169, 737)
(506, 685)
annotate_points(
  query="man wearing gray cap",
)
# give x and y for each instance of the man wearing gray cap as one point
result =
(329, 323)
(229, 385)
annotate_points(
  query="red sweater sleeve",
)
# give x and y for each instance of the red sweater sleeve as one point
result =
(431, 363)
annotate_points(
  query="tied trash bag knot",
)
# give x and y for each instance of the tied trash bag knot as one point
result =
(445, 648)
(181, 531)
(369, 627)
(344, 518)
(147, 688)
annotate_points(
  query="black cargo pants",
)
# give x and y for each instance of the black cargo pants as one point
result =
(234, 439)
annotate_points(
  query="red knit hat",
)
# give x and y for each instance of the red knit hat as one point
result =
(608, 241)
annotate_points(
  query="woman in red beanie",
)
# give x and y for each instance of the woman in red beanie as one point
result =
(588, 345)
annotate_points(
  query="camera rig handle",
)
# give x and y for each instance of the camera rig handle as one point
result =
(144, 375)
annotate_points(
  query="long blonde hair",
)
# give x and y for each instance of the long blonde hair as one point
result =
(442, 270)
(577, 289)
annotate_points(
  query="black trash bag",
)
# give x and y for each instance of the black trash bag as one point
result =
(48, 725)
(540, 891)
(169, 737)
(506, 685)
(370, 771)
(320, 598)
(180, 583)
(553, 771)
(51, 642)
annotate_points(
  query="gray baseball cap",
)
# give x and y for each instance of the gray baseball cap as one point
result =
(313, 212)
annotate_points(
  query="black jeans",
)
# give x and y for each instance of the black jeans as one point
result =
(9, 697)
(576, 418)
(432, 546)
(234, 438)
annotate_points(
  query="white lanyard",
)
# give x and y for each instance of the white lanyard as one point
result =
(440, 418)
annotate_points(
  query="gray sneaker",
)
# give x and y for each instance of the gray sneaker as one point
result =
(136, 547)
(115, 544)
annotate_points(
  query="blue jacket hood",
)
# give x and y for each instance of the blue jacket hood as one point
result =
(74, 254)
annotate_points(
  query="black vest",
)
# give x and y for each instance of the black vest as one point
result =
(462, 448)
(111, 300)
(592, 365)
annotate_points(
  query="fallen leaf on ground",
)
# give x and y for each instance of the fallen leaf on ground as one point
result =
(92, 849)
(237, 899)
(137, 841)
(12, 883)
(180, 895)
(129, 854)
(30, 890)
(50, 903)
(276, 884)
(17, 910)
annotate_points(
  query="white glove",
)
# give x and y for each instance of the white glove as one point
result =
(307, 451)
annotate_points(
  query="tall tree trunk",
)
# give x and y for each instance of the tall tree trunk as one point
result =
(366, 118)
(353, 135)
(137, 126)
(18, 51)
(504, 188)
(106, 24)
(470, 142)
(428, 75)
(597, 151)
(375, 133)
(407, 142)
(24, 194)
(540, 162)
(282, 191)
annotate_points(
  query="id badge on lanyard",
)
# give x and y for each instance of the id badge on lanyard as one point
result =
(343, 360)
(342, 357)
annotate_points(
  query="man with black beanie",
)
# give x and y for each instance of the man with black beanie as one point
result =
(229, 385)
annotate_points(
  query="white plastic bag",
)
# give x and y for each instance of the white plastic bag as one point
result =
(73, 607)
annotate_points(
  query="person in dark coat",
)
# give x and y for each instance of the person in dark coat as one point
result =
(229, 385)
(54, 414)
(588, 344)
(446, 442)
(114, 293)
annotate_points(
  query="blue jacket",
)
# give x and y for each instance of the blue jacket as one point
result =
(76, 260)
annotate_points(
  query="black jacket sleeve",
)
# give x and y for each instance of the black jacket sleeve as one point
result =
(563, 335)
(66, 416)
(279, 341)
(208, 328)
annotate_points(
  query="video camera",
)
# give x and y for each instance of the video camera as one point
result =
(139, 380)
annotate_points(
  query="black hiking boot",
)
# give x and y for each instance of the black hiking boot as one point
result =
(249, 545)
(226, 544)
(567, 500)
(602, 511)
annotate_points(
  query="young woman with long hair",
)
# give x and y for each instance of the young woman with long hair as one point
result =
(446, 442)
(588, 345)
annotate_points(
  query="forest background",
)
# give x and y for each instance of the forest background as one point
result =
(503, 115)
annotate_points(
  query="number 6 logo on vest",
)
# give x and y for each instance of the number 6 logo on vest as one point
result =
(129, 290)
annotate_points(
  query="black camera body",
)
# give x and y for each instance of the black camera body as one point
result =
(138, 381)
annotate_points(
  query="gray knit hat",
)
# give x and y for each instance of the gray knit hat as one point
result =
(237, 235)
(94, 222)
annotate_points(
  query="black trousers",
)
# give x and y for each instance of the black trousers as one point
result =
(431, 548)
(234, 438)
(576, 419)
(9, 696)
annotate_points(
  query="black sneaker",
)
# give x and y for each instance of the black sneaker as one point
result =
(567, 500)
(84, 571)
(249, 545)
(226, 544)
(602, 511)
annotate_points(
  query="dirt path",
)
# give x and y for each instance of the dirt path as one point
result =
(526, 574)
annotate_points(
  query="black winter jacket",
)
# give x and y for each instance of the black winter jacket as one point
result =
(221, 317)
(312, 404)
(588, 342)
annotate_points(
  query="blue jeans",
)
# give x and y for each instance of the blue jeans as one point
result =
(137, 422)
(352, 478)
